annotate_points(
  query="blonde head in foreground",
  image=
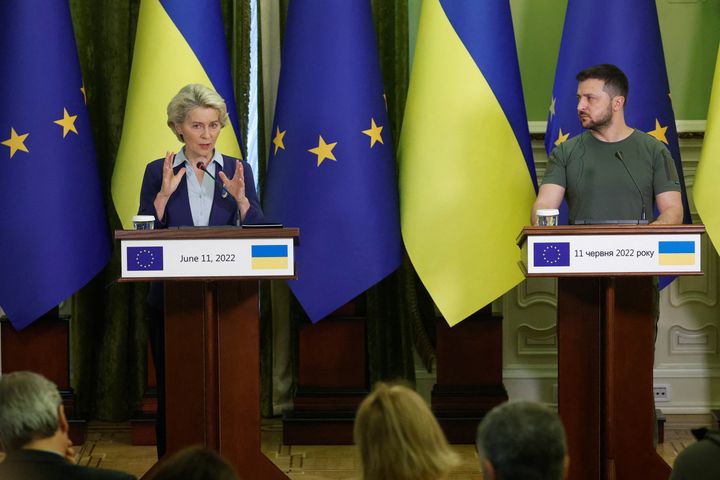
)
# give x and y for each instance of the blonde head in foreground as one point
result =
(398, 437)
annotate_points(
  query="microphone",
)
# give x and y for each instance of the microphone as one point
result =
(201, 166)
(619, 156)
(225, 193)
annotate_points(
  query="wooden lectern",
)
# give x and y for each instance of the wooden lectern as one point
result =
(212, 347)
(606, 319)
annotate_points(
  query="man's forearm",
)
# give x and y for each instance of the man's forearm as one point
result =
(671, 216)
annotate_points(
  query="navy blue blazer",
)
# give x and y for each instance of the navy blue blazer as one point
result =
(177, 211)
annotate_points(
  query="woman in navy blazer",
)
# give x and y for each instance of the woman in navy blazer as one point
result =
(177, 191)
(198, 186)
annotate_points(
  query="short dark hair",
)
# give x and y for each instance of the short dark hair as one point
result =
(195, 463)
(616, 82)
(523, 440)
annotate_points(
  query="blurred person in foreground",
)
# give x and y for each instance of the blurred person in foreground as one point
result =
(398, 437)
(522, 441)
(194, 463)
(701, 460)
(34, 433)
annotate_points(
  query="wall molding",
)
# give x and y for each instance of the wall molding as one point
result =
(534, 291)
(533, 341)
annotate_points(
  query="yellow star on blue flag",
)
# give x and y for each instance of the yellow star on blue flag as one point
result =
(53, 180)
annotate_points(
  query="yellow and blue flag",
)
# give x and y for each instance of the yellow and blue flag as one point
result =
(177, 43)
(54, 234)
(676, 253)
(706, 193)
(331, 169)
(467, 178)
(269, 257)
(631, 40)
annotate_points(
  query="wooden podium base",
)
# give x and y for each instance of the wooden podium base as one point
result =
(605, 365)
(332, 381)
(43, 347)
(469, 374)
(212, 358)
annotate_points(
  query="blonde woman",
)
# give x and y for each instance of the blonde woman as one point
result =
(197, 186)
(176, 189)
(398, 437)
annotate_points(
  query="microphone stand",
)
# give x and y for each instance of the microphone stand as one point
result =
(643, 220)
(225, 193)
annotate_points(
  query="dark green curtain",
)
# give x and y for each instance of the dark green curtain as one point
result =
(389, 327)
(109, 333)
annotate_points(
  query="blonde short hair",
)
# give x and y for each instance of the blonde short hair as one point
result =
(399, 438)
(192, 96)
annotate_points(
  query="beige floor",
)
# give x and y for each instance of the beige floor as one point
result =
(108, 446)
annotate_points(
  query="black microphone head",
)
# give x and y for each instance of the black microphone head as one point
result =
(619, 155)
(200, 165)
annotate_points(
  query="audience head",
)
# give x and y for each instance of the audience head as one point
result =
(398, 437)
(522, 440)
(195, 463)
(30, 409)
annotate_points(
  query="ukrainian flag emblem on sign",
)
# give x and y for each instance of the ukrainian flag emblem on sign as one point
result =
(265, 257)
(676, 253)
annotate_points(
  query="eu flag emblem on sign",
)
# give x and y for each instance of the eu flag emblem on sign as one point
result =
(555, 254)
(144, 259)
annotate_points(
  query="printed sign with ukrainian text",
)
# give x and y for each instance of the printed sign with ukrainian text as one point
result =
(607, 254)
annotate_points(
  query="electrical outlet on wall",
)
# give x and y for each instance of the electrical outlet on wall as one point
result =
(661, 392)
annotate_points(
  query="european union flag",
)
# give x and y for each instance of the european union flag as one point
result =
(629, 37)
(144, 259)
(53, 229)
(331, 169)
(554, 254)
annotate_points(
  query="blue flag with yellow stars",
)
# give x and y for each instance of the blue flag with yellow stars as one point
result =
(629, 37)
(331, 169)
(54, 234)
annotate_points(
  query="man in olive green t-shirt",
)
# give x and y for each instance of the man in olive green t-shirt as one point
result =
(610, 172)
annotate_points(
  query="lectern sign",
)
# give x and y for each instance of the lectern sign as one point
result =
(152, 258)
(607, 254)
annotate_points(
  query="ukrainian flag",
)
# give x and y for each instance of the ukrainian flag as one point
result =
(705, 188)
(177, 43)
(676, 253)
(269, 257)
(467, 178)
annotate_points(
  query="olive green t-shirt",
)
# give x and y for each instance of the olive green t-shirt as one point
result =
(597, 185)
